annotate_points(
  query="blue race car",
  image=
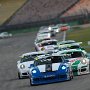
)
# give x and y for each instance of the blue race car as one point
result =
(50, 69)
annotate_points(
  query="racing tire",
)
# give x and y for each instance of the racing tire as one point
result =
(19, 76)
(31, 82)
(71, 75)
(36, 49)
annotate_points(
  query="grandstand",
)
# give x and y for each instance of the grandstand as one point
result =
(39, 10)
(8, 7)
(82, 7)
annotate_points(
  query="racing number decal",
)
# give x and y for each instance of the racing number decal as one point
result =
(48, 67)
(75, 67)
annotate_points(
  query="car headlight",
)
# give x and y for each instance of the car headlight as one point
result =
(49, 35)
(34, 71)
(22, 66)
(83, 61)
(57, 30)
(63, 67)
(42, 49)
(50, 28)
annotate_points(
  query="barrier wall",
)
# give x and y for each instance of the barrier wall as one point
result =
(78, 19)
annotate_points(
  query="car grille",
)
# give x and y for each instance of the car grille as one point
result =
(24, 73)
(83, 69)
(50, 77)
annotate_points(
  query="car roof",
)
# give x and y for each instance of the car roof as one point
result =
(48, 40)
(69, 45)
(31, 53)
(71, 50)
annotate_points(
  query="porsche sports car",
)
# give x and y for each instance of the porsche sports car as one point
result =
(55, 28)
(41, 38)
(46, 45)
(46, 30)
(25, 61)
(79, 61)
(50, 69)
(5, 35)
(44, 34)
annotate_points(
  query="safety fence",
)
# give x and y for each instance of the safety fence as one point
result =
(72, 20)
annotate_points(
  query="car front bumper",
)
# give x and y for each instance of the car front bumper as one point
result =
(80, 70)
(47, 78)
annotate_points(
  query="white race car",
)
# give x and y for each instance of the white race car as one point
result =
(46, 45)
(46, 30)
(54, 28)
(24, 63)
(40, 39)
(5, 35)
(44, 33)
(78, 59)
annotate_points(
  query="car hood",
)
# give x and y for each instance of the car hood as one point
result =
(77, 61)
(42, 68)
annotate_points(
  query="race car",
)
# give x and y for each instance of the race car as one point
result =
(54, 29)
(25, 61)
(78, 59)
(5, 35)
(46, 30)
(45, 34)
(41, 38)
(37, 41)
(46, 45)
(49, 70)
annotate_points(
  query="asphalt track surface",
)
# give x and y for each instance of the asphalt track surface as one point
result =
(11, 49)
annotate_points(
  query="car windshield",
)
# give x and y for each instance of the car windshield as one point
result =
(27, 58)
(49, 60)
(35, 55)
(43, 39)
(55, 28)
(73, 55)
(74, 47)
(69, 47)
(67, 42)
(49, 43)
(44, 32)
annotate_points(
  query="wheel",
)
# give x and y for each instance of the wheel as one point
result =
(71, 75)
(31, 82)
(19, 76)
(35, 48)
